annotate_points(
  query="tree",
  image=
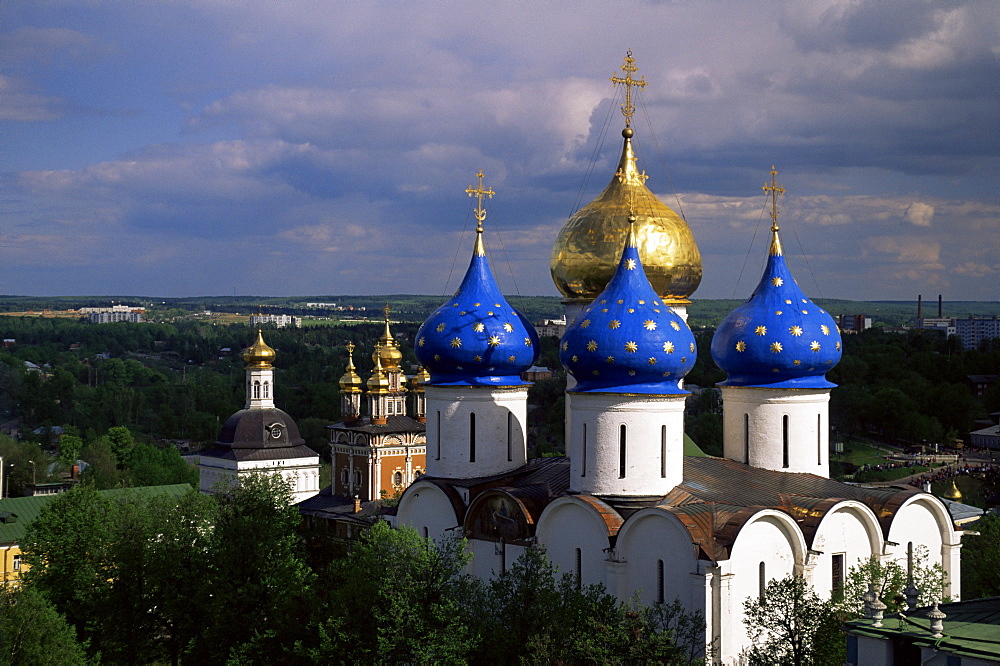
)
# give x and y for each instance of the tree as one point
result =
(33, 632)
(981, 559)
(783, 623)
(70, 447)
(399, 598)
(890, 579)
(121, 441)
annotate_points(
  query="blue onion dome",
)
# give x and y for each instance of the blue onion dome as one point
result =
(627, 340)
(778, 338)
(477, 338)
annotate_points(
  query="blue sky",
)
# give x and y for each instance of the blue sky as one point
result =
(306, 148)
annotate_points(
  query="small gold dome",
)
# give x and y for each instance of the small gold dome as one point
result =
(589, 245)
(953, 493)
(421, 378)
(259, 354)
(386, 350)
(379, 381)
(351, 382)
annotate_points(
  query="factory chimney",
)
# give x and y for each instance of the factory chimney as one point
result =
(920, 308)
(940, 311)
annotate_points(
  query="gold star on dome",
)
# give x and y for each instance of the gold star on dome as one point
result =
(437, 357)
(422, 341)
(787, 302)
(641, 302)
(837, 346)
(825, 329)
(656, 309)
(649, 325)
(684, 359)
(796, 362)
(804, 300)
(805, 312)
(440, 327)
(674, 325)
(496, 305)
(604, 309)
(631, 373)
(511, 358)
(777, 281)
(631, 347)
(620, 301)
(651, 360)
(596, 372)
(477, 358)
(630, 264)
(456, 342)
(592, 346)
(490, 313)
(565, 346)
(527, 342)
(494, 340)
(462, 312)
(668, 347)
(795, 330)
(776, 347)
(631, 310)
(814, 346)
(508, 327)
(691, 346)
(477, 304)
(575, 358)
(777, 312)
(478, 327)
(667, 373)
(610, 359)
(741, 346)
(614, 324)
(761, 330)
(603, 301)
(585, 323)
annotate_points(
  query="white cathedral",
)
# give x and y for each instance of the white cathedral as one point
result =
(629, 507)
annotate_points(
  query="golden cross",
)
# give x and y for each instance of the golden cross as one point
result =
(479, 193)
(628, 108)
(775, 191)
(350, 347)
(386, 310)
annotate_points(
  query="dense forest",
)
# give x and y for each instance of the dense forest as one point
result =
(172, 385)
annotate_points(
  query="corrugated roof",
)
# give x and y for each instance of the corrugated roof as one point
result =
(393, 424)
(28, 508)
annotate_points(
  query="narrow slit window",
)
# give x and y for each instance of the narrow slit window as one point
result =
(583, 471)
(784, 441)
(438, 436)
(659, 582)
(837, 584)
(663, 452)
(510, 436)
(472, 437)
(762, 581)
(578, 576)
(621, 452)
(819, 439)
(746, 438)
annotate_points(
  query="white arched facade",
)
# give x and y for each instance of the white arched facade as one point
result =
(427, 509)
(660, 562)
(848, 535)
(575, 535)
(923, 520)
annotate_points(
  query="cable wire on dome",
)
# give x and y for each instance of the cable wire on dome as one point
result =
(602, 135)
(660, 155)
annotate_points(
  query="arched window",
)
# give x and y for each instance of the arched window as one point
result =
(621, 451)
(472, 437)
(267, 390)
(784, 441)
(256, 390)
(397, 478)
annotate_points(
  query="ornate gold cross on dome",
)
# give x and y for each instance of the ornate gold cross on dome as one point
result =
(628, 108)
(479, 193)
(350, 347)
(387, 310)
(775, 191)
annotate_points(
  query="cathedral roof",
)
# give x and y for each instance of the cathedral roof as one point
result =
(396, 423)
(778, 338)
(586, 250)
(477, 338)
(259, 434)
(628, 340)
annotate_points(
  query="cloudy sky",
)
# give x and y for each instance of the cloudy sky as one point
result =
(305, 148)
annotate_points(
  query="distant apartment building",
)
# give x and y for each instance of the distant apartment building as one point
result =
(327, 306)
(554, 327)
(133, 317)
(112, 308)
(281, 321)
(974, 330)
(854, 323)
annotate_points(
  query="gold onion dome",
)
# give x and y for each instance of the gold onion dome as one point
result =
(587, 249)
(953, 493)
(421, 378)
(259, 354)
(386, 350)
(351, 380)
(379, 381)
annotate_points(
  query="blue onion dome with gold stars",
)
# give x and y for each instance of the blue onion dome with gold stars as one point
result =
(628, 340)
(778, 338)
(477, 338)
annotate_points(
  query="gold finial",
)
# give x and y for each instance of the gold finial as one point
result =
(774, 189)
(479, 193)
(953, 493)
(628, 108)
(386, 310)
